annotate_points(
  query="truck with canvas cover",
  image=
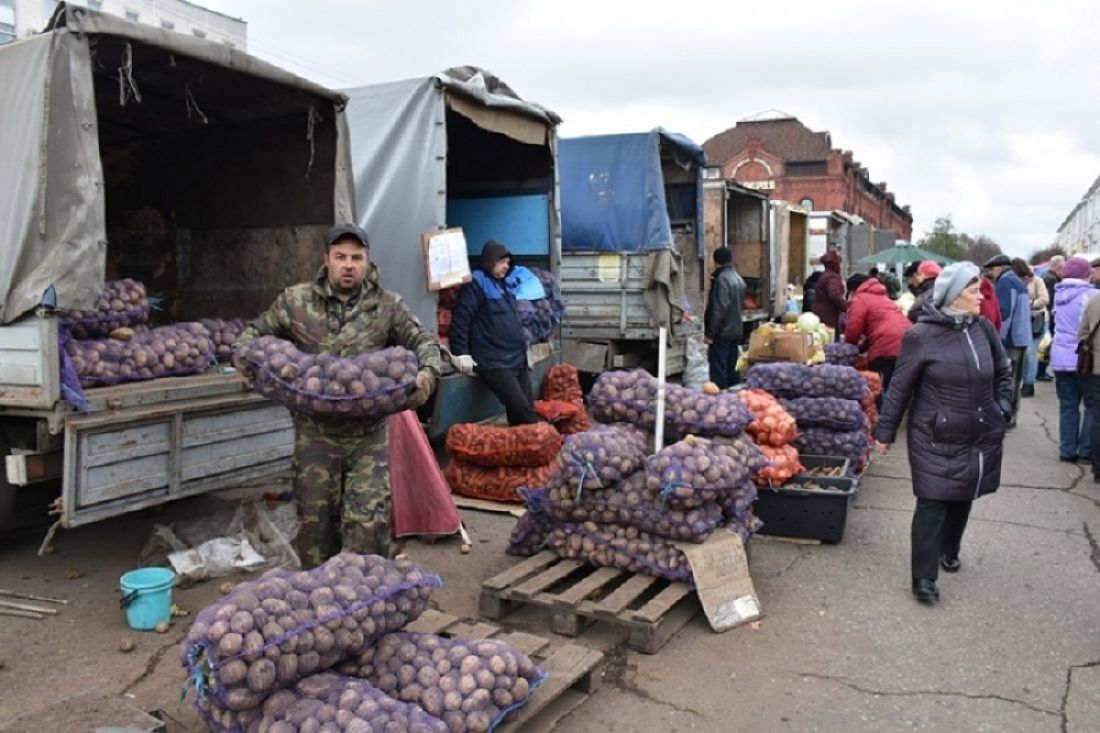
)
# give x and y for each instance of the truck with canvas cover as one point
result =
(459, 149)
(632, 260)
(207, 175)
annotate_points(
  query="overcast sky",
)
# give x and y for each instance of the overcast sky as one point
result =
(974, 109)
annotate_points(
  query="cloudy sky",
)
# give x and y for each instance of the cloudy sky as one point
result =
(973, 109)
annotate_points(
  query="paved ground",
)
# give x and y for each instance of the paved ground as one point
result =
(1013, 646)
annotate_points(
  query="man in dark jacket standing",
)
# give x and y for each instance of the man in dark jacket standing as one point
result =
(487, 335)
(722, 320)
(1015, 321)
(829, 300)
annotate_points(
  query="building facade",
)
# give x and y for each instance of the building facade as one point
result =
(22, 18)
(1080, 232)
(795, 164)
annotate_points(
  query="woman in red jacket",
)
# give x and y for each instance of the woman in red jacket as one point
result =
(872, 315)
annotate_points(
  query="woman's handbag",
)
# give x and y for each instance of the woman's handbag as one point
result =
(1084, 352)
(1038, 324)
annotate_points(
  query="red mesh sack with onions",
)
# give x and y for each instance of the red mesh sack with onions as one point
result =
(223, 333)
(626, 548)
(531, 445)
(168, 351)
(576, 424)
(556, 412)
(495, 483)
(626, 397)
(328, 703)
(772, 425)
(121, 303)
(841, 354)
(599, 458)
(783, 462)
(273, 631)
(874, 382)
(528, 536)
(785, 379)
(471, 685)
(825, 412)
(853, 445)
(692, 411)
(562, 382)
(368, 386)
(697, 470)
(635, 502)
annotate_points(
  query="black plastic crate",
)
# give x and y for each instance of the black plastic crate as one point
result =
(819, 514)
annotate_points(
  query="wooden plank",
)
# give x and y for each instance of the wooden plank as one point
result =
(569, 666)
(523, 642)
(586, 587)
(484, 505)
(649, 638)
(431, 622)
(464, 630)
(549, 577)
(567, 622)
(548, 718)
(661, 604)
(620, 598)
(520, 571)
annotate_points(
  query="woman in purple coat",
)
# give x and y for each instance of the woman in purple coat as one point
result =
(954, 380)
(1075, 391)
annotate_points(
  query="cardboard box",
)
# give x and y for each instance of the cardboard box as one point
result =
(793, 346)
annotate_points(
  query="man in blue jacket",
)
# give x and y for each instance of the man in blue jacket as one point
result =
(1015, 321)
(487, 335)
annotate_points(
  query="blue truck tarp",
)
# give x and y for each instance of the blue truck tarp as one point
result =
(613, 190)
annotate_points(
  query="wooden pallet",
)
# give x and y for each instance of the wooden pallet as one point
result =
(650, 609)
(575, 671)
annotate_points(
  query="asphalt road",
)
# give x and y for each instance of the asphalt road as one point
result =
(1014, 644)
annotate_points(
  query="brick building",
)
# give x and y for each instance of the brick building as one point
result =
(795, 164)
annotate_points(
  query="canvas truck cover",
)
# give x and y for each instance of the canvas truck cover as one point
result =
(613, 190)
(399, 159)
(52, 214)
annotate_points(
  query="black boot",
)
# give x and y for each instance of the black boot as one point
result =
(1027, 390)
(950, 564)
(925, 590)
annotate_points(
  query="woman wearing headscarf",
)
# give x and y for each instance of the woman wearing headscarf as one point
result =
(954, 380)
(1075, 391)
(829, 300)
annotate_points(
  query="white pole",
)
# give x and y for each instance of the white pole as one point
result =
(659, 429)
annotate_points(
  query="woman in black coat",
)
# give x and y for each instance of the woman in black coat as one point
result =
(954, 379)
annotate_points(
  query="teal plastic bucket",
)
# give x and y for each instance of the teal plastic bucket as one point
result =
(147, 597)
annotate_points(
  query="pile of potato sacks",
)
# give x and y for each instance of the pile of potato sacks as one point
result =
(324, 650)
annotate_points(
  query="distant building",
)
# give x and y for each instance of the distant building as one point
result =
(1080, 232)
(793, 163)
(22, 18)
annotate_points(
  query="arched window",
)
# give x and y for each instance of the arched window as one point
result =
(807, 204)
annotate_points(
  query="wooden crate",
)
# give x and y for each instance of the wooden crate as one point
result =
(650, 609)
(575, 671)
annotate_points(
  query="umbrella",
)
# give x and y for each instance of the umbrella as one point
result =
(903, 254)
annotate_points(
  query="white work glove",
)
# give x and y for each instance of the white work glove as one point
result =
(464, 364)
(425, 383)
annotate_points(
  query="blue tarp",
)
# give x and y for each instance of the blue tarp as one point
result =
(613, 191)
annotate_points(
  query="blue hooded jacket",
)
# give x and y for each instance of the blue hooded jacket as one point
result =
(1015, 310)
(484, 321)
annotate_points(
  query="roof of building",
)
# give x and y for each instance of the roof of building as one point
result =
(786, 138)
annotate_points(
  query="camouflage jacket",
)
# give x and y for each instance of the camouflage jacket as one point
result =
(315, 320)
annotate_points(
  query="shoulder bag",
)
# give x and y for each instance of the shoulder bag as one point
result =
(1084, 351)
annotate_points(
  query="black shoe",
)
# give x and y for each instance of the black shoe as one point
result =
(950, 564)
(925, 590)
(1028, 390)
(1068, 459)
(1044, 378)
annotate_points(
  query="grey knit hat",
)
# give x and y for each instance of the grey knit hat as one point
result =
(951, 281)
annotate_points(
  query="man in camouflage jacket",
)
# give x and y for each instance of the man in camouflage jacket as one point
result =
(341, 464)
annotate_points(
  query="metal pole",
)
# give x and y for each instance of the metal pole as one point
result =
(659, 428)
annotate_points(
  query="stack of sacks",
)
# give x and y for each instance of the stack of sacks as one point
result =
(870, 399)
(773, 430)
(312, 651)
(824, 401)
(446, 299)
(562, 384)
(489, 462)
(610, 504)
(841, 354)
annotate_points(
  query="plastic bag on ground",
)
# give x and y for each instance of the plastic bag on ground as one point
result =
(697, 370)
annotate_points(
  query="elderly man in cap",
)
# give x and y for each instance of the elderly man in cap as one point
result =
(487, 335)
(1015, 321)
(342, 464)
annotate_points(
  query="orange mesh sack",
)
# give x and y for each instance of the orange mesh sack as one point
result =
(495, 484)
(772, 424)
(874, 382)
(576, 424)
(556, 411)
(783, 463)
(489, 446)
(562, 383)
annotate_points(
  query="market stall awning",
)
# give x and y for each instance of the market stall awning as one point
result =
(903, 254)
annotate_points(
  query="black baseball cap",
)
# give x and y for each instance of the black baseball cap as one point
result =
(340, 231)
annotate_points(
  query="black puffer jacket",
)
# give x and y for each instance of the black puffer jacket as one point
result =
(956, 383)
(924, 293)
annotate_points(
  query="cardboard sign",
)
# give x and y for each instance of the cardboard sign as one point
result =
(793, 346)
(722, 581)
(446, 263)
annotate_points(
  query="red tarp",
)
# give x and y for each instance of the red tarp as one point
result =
(422, 502)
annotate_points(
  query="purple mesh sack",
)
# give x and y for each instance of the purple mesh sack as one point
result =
(271, 632)
(737, 502)
(697, 470)
(168, 351)
(825, 412)
(841, 354)
(853, 445)
(529, 535)
(691, 411)
(472, 685)
(615, 546)
(625, 396)
(745, 526)
(368, 386)
(598, 458)
(785, 379)
(121, 303)
(223, 333)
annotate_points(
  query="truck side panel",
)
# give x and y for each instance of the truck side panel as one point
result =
(28, 363)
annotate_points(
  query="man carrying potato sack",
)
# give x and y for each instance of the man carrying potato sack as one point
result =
(341, 464)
